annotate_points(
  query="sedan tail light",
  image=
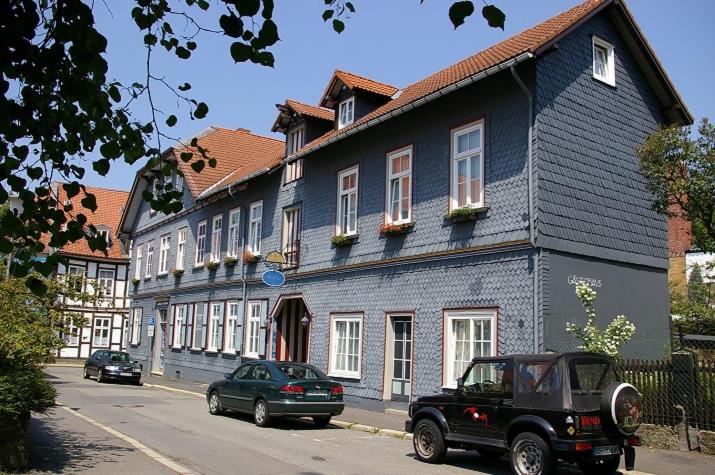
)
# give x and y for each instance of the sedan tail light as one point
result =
(292, 389)
(336, 390)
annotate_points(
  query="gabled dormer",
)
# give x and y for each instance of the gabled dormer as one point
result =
(351, 97)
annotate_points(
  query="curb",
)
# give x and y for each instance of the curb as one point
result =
(336, 422)
(64, 365)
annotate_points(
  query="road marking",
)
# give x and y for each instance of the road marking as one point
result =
(170, 464)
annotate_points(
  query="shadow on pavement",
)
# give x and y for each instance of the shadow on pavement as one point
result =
(53, 450)
(281, 423)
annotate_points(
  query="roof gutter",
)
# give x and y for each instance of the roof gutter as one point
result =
(419, 102)
(213, 191)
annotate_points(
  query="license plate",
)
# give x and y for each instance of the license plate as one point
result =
(126, 374)
(316, 393)
(606, 450)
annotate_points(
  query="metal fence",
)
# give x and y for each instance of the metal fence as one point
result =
(678, 388)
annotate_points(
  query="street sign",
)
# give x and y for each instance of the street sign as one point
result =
(152, 322)
(274, 259)
(273, 278)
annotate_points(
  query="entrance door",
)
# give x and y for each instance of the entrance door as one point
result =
(401, 358)
(292, 332)
(157, 361)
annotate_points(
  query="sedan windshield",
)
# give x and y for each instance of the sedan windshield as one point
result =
(299, 371)
(120, 358)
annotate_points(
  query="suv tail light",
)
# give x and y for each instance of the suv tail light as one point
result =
(583, 446)
(292, 389)
(336, 390)
(633, 442)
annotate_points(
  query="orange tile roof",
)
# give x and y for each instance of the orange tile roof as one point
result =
(528, 41)
(238, 153)
(355, 81)
(110, 204)
(312, 111)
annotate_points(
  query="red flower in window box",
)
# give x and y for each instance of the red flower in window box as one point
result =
(250, 258)
(395, 229)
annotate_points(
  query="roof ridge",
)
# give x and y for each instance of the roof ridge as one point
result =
(310, 105)
(104, 188)
(363, 77)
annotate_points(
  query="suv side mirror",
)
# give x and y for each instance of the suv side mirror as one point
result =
(460, 383)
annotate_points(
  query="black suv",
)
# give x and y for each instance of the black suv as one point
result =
(539, 408)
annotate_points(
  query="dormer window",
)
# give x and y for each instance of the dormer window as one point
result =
(296, 140)
(604, 68)
(346, 112)
(103, 232)
(179, 182)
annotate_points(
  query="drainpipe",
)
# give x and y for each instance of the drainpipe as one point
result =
(530, 192)
(243, 265)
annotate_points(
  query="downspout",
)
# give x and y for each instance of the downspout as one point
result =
(530, 192)
(243, 264)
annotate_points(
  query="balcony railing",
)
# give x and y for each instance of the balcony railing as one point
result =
(291, 254)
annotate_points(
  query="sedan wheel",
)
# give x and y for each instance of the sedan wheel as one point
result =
(214, 404)
(100, 378)
(260, 414)
(85, 374)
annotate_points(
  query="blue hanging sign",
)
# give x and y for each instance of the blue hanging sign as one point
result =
(273, 278)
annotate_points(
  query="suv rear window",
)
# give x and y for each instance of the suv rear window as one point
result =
(591, 376)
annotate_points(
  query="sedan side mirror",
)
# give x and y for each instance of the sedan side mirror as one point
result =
(227, 375)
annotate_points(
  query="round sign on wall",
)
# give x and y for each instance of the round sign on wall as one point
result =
(273, 278)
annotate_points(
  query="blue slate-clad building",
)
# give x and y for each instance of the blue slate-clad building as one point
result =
(419, 226)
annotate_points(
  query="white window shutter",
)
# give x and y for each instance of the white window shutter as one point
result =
(262, 331)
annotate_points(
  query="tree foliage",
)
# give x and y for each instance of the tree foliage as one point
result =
(60, 113)
(608, 341)
(695, 314)
(680, 172)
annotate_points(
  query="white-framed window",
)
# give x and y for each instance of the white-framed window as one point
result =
(294, 170)
(234, 313)
(138, 262)
(253, 327)
(234, 234)
(76, 275)
(255, 227)
(106, 282)
(347, 201)
(467, 187)
(215, 325)
(179, 182)
(180, 249)
(469, 334)
(136, 325)
(345, 346)
(604, 64)
(149, 258)
(346, 112)
(199, 319)
(399, 186)
(296, 140)
(291, 236)
(125, 333)
(216, 231)
(70, 333)
(179, 325)
(100, 335)
(200, 243)
(103, 232)
(164, 248)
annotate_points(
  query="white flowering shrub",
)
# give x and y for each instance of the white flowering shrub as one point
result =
(608, 341)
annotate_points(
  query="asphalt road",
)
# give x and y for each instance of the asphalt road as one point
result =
(178, 428)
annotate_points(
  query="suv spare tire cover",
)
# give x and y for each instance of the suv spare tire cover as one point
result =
(621, 408)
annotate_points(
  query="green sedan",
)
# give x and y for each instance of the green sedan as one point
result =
(269, 389)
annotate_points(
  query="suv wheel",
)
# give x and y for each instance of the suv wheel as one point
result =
(600, 467)
(529, 454)
(429, 442)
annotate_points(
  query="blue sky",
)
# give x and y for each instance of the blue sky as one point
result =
(396, 41)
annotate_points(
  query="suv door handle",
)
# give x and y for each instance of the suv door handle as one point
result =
(496, 402)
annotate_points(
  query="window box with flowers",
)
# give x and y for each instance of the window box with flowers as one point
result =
(464, 214)
(250, 258)
(401, 229)
(177, 272)
(211, 265)
(343, 240)
(230, 261)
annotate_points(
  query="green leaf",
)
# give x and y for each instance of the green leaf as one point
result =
(110, 150)
(267, 12)
(101, 166)
(247, 35)
(186, 156)
(36, 286)
(241, 52)
(150, 39)
(21, 151)
(264, 58)
(247, 7)
(182, 52)
(203, 4)
(171, 120)
(328, 14)
(231, 25)
(269, 33)
(35, 173)
(89, 202)
(350, 6)
(201, 110)
(198, 165)
(191, 45)
(114, 93)
(494, 16)
(459, 11)
(72, 189)
(338, 26)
